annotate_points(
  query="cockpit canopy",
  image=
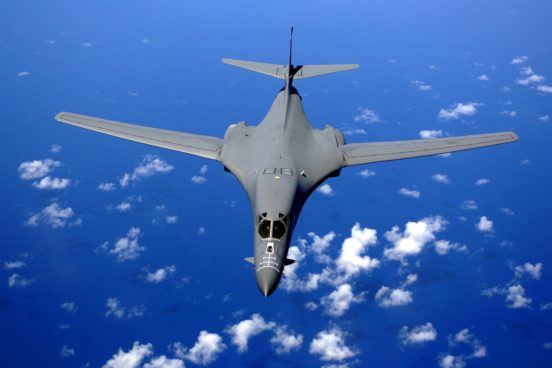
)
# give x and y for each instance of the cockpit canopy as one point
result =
(275, 229)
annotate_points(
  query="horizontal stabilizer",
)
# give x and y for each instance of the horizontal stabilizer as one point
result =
(274, 70)
(250, 260)
(307, 71)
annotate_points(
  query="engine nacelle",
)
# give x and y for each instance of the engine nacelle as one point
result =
(233, 129)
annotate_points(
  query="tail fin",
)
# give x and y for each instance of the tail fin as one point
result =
(290, 72)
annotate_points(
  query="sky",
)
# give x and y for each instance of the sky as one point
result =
(117, 254)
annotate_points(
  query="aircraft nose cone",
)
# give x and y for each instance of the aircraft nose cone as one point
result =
(267, 280)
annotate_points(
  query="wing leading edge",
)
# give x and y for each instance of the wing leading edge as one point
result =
(198, 145)
(365, 153)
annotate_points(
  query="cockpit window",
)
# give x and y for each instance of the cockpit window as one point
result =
(264, 229)
(278, 229)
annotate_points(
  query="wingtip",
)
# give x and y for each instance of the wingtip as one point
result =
(59, 115)
(514, 136)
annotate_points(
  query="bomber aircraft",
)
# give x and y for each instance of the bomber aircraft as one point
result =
(281, 161)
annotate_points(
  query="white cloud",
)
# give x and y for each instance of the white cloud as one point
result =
(171, 219)
(242, 331)
(115, 309)
(545, 89)
(466, 337)
(197, 179)
(507, 211)
(53, 215)
(149, 166)
(326, 190)
(340, 300)
(330, 345)
(547, 345)
(430, 134)
(124, 206)
(70, 307)
(461, 109)
(10, 265)
(354, 131)
(320, 244)
(416, 235)
(52, 183)
(485, 225)
(201, 231)
(163, 362)
(412, 193)
(525, 162)
(127, 248)
(469, 204)
(419, 335)
(160, 274)
(482, 181)
(106, 187)
(387, 297)
(441, 178)
(367, 173)
(351, 260)
(515, 295)
(451, 361)
(313, 306)
(366, 115)
(442, 247)
(23, 74)
(203, 169)
(483, 77)
(55, 148)
(544, 118)
(533, 270)
(207, 348)
(37, 168)
(86, 44)
(17, 281)
(529, 77)
(131, 359)
(66, 351)
(421, 85)
(519, 59)
(286, 342)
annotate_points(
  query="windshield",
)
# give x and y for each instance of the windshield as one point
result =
(271, 229)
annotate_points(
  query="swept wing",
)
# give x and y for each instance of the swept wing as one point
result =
(365, 153)
(198, 145)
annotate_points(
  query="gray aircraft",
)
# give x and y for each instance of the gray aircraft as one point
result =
(284, 159)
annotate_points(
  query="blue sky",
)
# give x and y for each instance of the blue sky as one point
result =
(114, 250)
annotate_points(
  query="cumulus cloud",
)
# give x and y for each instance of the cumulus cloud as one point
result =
(49, 183)
(66, 351)
(367, 173)
(320, 244)
(459, 110)
(351, 260)
(484, 225)
(387, 297)
(412, 193)
(515, 295)
(421, 85)
(544, 118)
(285, 341)
(17, 281)
(483, 77)
(507, 211)
(128, 248)
(244, 330)
(442, 247)
(131, 359)
(23, 74)
(529, 77)
(171, 219)
(430, 134)
(415, 236)
(482, 181)
(37, 169)
(354, 131)
(116, 310)
(340, 300)
(10, 265)
(149, 166)
(533, 270)
(55, 148)
(441, 178)
(163, 362)
(160, 274)
(366, 115)
(326, 190)
(106, 187)
(544, 89)
(55, 216)
(521, 59)
(70, 307)
(419, 335)
(198, 179)
(469, 204)
(206, 350)
(330, 345)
